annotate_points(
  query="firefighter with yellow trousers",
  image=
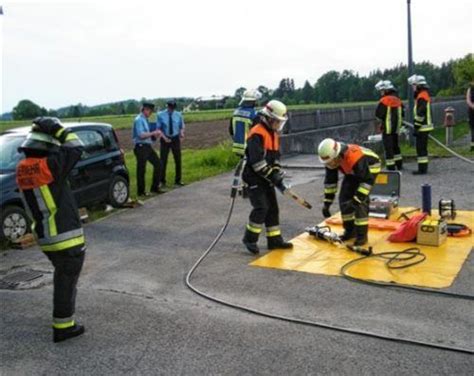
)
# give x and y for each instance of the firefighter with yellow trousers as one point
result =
(51, 153)
(243, 119)
(360, 167)
(262, 173)
(390, 113)
(422, 120)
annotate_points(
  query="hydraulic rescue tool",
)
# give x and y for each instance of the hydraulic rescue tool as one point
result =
(288, 192)
(325, 233)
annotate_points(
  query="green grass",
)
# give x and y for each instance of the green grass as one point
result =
(460, 130)
(196, 165)
(126, 121)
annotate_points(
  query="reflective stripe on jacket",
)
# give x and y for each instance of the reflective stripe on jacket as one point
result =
(241, 122)
(390, 112)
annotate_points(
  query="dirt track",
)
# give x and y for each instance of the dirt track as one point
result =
(197, 136)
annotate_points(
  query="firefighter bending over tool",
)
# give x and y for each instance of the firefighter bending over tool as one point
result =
(242, 120)
(51, 153)
(422, 121)
(360, 167)
(390, 114)
(262, 173)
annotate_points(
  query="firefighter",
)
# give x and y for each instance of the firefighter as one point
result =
(360, 167)
(390, 114)
(422, 121)
(51, 153)
(262, 173)
(242, 120)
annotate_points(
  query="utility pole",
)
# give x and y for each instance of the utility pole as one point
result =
(410, 70)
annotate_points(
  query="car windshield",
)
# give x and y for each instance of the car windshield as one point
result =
(9, 155)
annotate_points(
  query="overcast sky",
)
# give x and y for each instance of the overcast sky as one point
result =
(58, 53)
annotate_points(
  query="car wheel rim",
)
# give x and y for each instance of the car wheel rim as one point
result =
(14, 226)
(120, 192)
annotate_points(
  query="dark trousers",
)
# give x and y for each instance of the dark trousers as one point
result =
(357, 215)
(264, 205)
(422, 151)
(67, 267)
(175, 146)
(393, 156)
(145, 153)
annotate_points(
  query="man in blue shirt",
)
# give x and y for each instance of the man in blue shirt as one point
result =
(170, 123)
(143, 139)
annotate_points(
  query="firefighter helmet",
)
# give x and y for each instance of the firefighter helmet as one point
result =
(250, 95)
(276, 114)
(384, 85)
(417, 80)
(329, 150)
(38, 141)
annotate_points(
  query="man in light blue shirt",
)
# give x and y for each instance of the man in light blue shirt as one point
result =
(170, 123)
(143, 139)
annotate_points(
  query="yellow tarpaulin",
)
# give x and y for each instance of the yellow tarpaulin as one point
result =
(439, 270)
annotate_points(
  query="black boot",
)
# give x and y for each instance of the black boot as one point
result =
(391, 168)
(60, 335)
(361, 235)
(422, 169)
(277, 242)
(349, 231)
(399, 165)
(250, 240)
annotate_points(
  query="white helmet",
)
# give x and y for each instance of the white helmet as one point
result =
(250, 95)
(329, 150)
(276, 111)
(417, 79)
(384, 85)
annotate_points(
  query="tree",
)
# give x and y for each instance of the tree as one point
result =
(463, 72)
(239, 93)
(26, 109)
(307, 93)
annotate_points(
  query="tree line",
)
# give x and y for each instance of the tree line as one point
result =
(449, 78)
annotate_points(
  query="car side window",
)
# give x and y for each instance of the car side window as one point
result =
(93, 141)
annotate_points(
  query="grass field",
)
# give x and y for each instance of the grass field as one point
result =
(196, 165)
(125, 121)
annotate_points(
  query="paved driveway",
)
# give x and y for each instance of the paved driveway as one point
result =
(141, 319)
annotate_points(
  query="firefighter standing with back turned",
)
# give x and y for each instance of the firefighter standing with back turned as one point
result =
(51, 153)
(422, 121)
(389, 112)
(263, 173)
(360, 167)
(242, 120)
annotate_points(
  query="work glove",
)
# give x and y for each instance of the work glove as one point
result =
(276, 177)
(326, 212)
(48, 125)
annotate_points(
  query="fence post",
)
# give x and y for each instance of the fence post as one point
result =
(318, 119)
(343, 116)
(361, 114)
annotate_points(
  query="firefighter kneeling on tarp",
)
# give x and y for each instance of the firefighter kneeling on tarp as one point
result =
(262, 173)
(51, 153)
(360, 167)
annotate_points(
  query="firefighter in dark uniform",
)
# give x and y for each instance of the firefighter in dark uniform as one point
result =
(360, 167)
(242, 120)
(262, 173)
(390, 113)
(422, 120)
(51, 153)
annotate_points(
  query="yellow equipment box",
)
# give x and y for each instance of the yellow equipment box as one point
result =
(432, 232)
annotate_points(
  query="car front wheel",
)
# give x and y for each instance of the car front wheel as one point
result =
(14, 223)
(118, 192)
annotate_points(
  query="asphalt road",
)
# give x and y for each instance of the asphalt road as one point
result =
(141, 320)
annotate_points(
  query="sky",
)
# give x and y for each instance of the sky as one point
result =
(58, 53)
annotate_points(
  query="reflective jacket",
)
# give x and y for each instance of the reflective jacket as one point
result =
(361, 162)
(48, 198)
(390, 113)
(263, 155)
(422, 111)
(241, 122)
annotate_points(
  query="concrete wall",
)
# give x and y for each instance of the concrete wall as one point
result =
(306, 128)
